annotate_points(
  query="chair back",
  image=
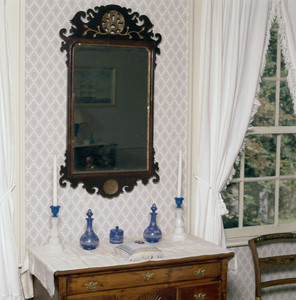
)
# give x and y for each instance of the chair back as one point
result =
(265, 262)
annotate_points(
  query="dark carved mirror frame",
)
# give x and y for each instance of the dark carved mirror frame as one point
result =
(112, 24)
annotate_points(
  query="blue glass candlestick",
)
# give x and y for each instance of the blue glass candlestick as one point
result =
(152, 233)
(178, 233)
(89, 240)
(53, 244)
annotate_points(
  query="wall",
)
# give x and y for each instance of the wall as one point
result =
(45, 129)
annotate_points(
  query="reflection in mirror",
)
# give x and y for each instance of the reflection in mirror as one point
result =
(111, 60)
(111, 101)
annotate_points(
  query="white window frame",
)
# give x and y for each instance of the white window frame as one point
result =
(239, 236)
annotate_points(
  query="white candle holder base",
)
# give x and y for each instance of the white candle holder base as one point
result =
(178, 233)
(53, 244)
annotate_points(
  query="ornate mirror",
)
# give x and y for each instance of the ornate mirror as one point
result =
(111, 59)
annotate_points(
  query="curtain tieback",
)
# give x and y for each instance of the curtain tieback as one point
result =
(222, 207)
(206, 183)
(7, 193)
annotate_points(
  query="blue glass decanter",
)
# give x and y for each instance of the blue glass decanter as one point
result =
(89, 240)
(152, 233)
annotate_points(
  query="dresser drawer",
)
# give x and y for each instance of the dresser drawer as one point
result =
(201, 292)
(145, 277)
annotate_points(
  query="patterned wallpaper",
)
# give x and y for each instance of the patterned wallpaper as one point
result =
(45, 98)
(45, 130)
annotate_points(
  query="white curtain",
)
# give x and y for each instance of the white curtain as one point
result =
(10, 288)
(286, 18)
(232, 58)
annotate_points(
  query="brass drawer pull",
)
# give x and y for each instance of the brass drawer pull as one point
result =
(200, 296)
(148, 276)
(92, 285)
(200, 273)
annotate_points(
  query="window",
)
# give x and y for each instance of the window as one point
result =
(261, 198)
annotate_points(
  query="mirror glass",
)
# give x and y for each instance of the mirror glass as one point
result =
(111, 106)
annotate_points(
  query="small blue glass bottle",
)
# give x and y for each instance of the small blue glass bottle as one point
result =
(152, 233)
(89, 240)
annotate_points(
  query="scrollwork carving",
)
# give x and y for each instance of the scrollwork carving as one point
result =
(150, 296)
(110, 21)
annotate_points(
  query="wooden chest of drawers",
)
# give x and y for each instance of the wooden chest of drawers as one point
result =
(197, 278)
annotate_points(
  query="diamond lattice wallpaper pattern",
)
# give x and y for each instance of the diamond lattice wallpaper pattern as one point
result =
(46, 101)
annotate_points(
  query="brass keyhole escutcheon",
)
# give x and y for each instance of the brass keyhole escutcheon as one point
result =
(147, 276)
(200, 296)
(200, 273)
(92, 285)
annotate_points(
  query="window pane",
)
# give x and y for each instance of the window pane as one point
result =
(270, 66)
(237, 169)
(230, 196)
(260, 153)
(284, 72)
(288, 157)
(265, 115)
(287, 202)
(286, 117)
(258, 203)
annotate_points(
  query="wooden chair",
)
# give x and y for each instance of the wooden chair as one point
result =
(271, 261)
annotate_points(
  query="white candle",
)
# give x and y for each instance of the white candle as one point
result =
(179, 175)
(54, 179)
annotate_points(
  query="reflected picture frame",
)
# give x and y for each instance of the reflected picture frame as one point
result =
(94, 87)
